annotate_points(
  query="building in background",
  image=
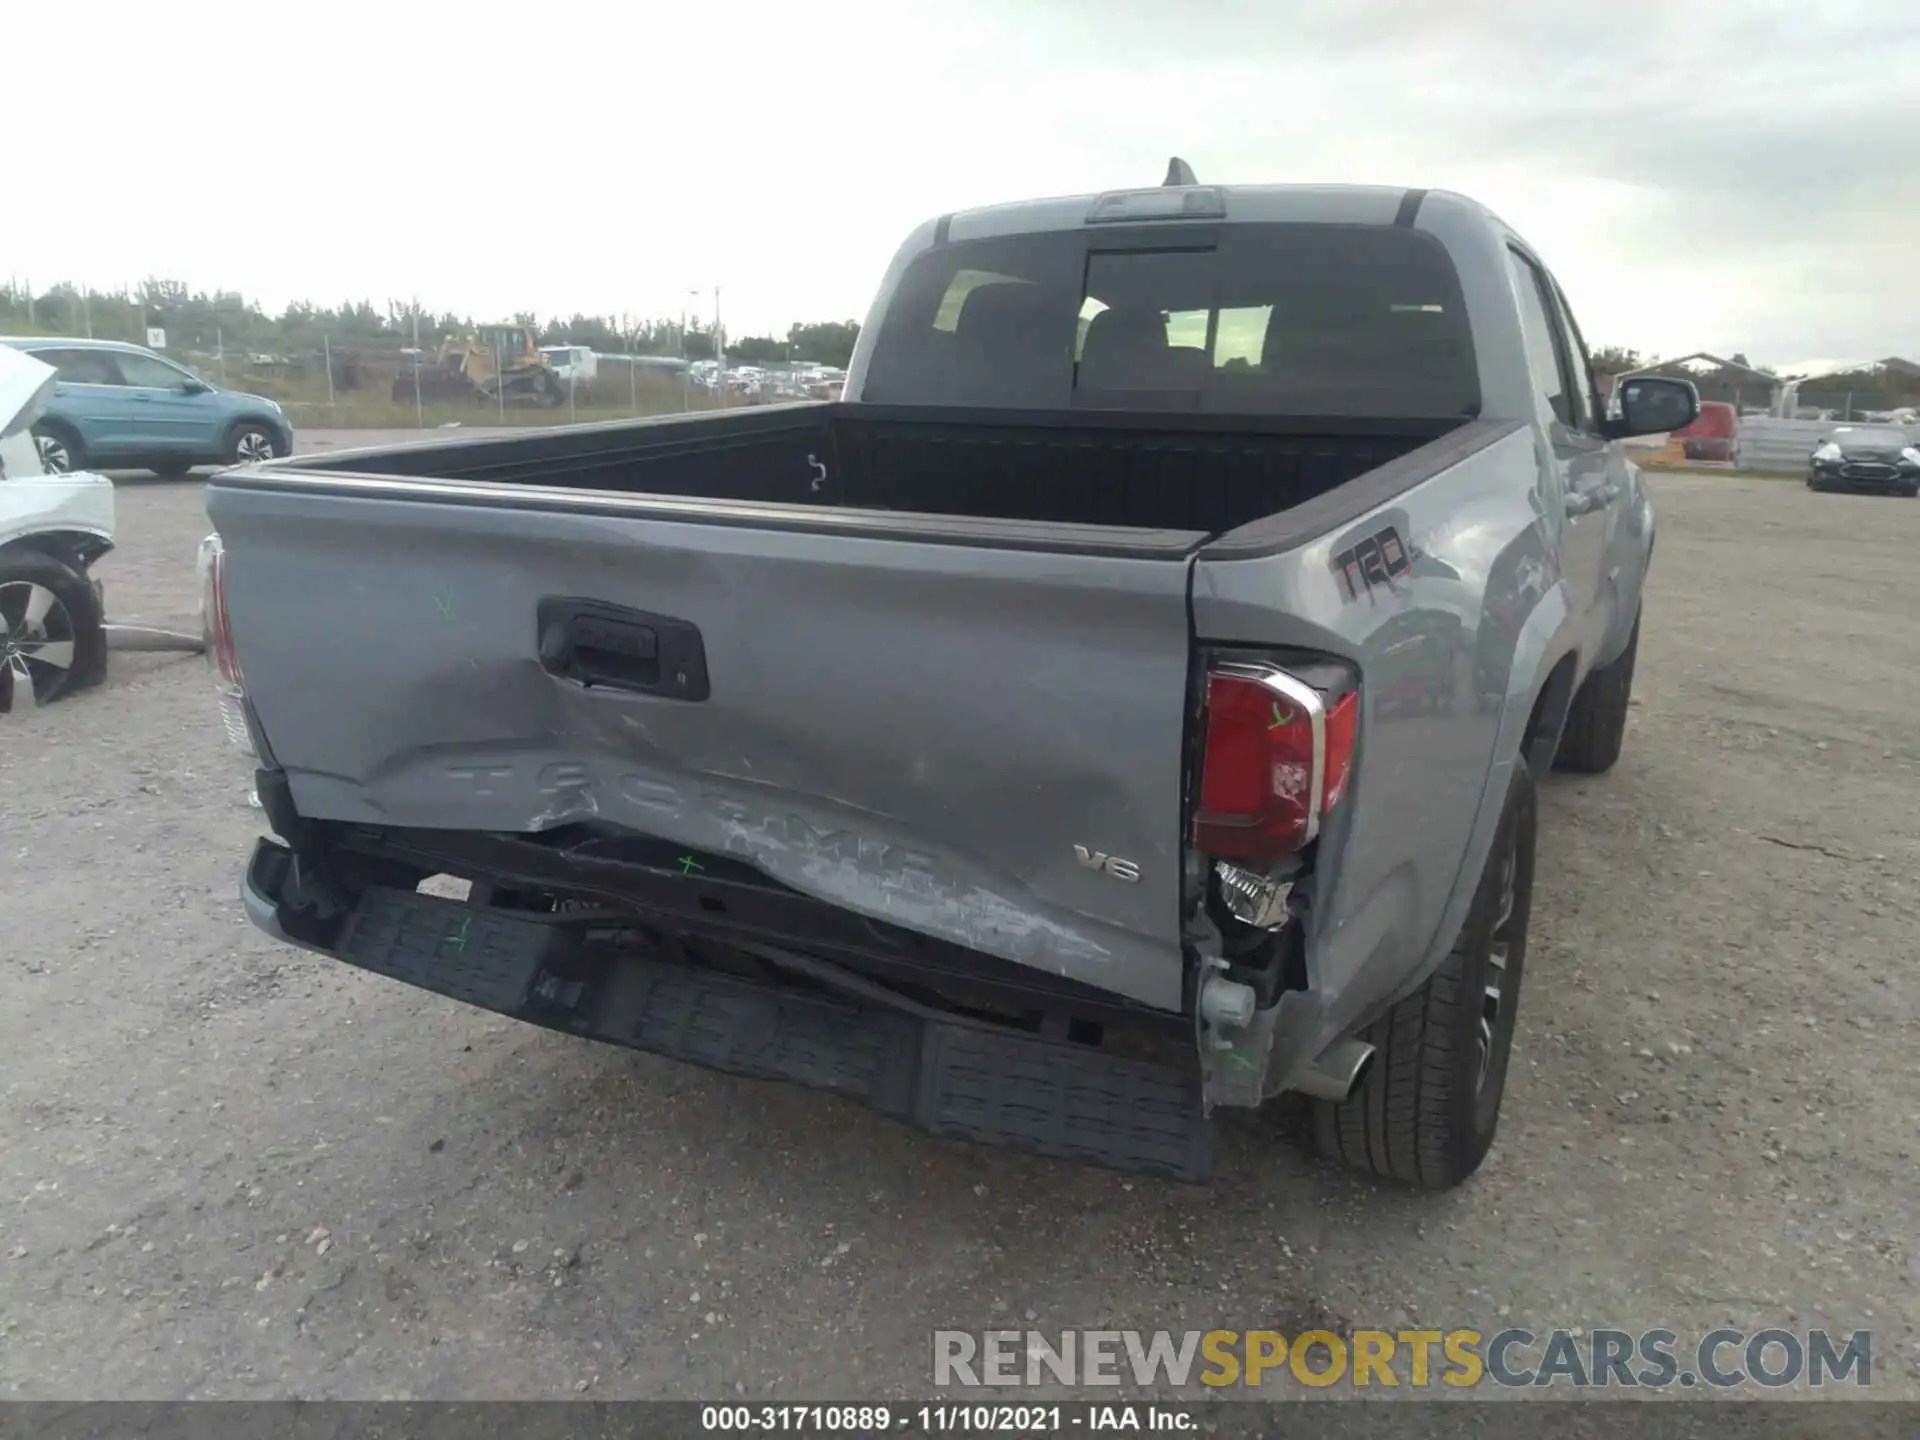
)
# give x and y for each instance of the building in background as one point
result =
(1731, 382)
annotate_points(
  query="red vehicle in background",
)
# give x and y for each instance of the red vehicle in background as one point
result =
(1714, 436)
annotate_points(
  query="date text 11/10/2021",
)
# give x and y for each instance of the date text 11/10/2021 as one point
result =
(933, 1419)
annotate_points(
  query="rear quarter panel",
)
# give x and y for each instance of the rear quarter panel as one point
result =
(1452, 640)
(1629, 559)
(76, 505)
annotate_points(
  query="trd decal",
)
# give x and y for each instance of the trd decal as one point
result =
(1379, 561)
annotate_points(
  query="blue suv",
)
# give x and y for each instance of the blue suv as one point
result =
(119, 407)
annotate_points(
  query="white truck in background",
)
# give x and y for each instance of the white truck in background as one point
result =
(574, 364)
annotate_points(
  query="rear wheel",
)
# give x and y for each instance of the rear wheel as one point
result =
(1428, 1108)
(52, 638)
(59, 449)
(1597, 721)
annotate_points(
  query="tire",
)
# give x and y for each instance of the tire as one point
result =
(171, 469)
(60, 449)
(249, 443)
(54, 639)
(1597, 721)
(1428, 1109)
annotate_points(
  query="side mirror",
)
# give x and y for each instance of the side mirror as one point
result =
(1653, 405)
(191, 386)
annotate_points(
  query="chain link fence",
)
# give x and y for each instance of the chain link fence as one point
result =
(1815, 403)
(408, 370)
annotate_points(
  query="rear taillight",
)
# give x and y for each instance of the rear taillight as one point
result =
(1276, 757)
(213, 612)
(217, 629)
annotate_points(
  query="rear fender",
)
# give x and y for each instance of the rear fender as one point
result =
(1628, 565)
(69, 516)
(1546, 638)
(75, 548)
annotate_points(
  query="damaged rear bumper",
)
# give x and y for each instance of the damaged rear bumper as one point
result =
(951, 1076)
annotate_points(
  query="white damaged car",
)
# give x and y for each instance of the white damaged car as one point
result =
(52, 529)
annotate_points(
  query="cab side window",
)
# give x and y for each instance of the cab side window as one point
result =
(1586, 396)
(1546, 346)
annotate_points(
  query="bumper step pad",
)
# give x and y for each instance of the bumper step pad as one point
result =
(971, 1082)
(484, 958)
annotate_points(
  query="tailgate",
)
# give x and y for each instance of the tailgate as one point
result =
(976, 733)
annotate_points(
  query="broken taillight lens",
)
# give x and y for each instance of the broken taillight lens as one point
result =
(1277, 756)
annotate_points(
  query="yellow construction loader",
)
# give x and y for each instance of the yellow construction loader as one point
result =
(479, 366)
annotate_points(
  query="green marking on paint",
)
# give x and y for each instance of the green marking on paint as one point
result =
(688, 865)
(444, 604)
(458, 939)
(1280, 720)
(1236, 1058)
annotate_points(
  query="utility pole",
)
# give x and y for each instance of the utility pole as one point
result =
(686, 363)
(633, 382)
(419, 406)
(719, 348)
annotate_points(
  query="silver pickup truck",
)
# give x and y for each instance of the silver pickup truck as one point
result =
(1125, 703)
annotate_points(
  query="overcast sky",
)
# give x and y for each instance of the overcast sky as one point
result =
(1737, 178)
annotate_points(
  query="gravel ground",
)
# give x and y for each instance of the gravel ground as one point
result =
(230, 1169)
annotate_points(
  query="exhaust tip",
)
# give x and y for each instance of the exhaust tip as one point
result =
(1339, 1072)
(1360, 1073)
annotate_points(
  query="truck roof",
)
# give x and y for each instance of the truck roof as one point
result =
(1268, 204)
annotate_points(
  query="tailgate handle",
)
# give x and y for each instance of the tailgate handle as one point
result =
(608, 647)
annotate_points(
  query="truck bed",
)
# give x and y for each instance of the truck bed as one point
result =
(1205, 474)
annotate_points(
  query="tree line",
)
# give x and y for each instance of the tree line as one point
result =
(225, 321)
